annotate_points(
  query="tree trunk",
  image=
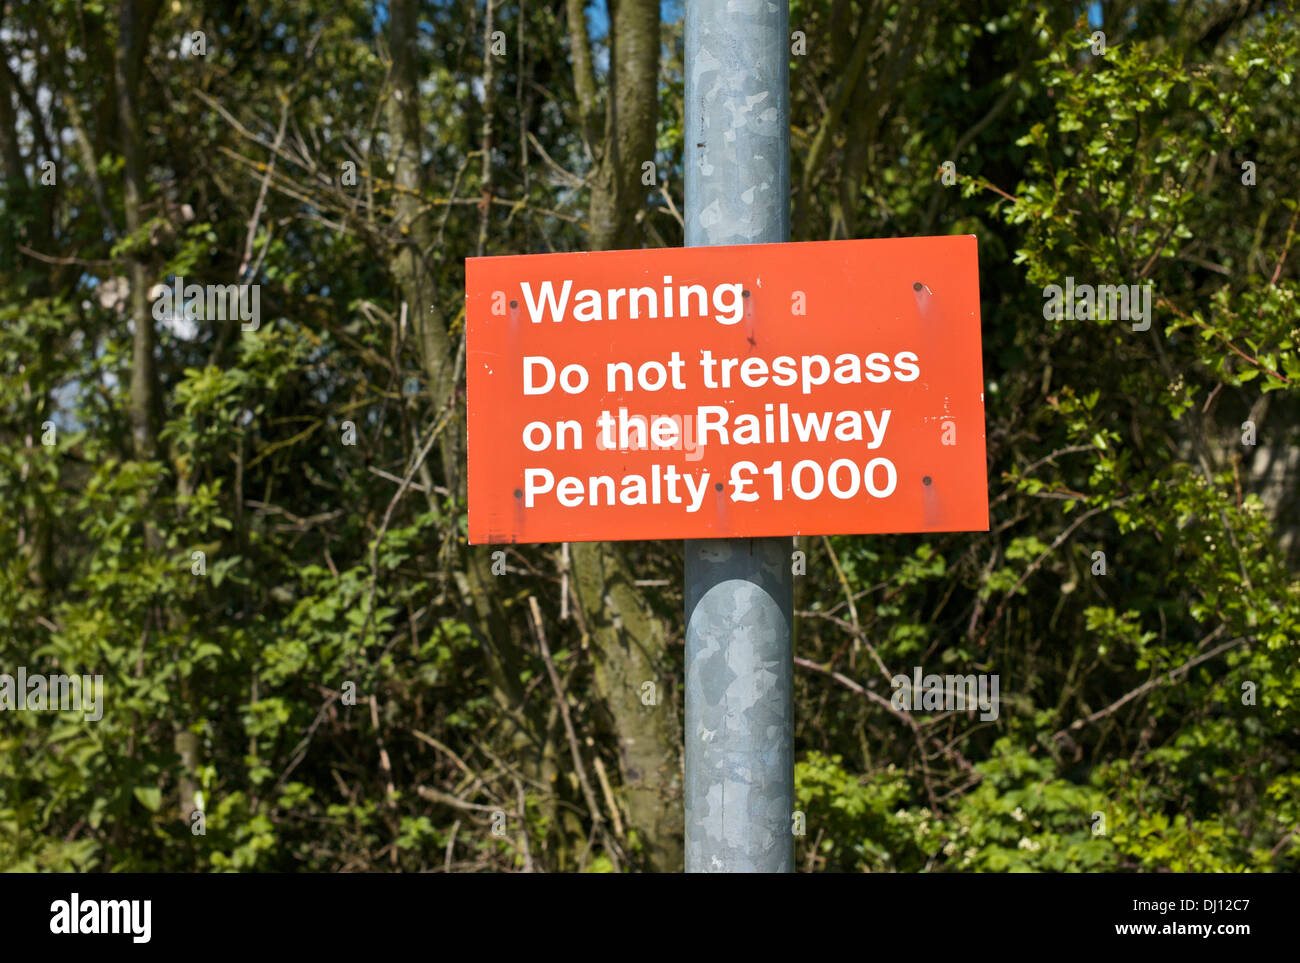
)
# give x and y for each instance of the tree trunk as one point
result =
(135, 19)
(502, 633)
(630, 642)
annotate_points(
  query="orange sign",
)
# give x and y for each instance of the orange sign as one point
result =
(828, 387)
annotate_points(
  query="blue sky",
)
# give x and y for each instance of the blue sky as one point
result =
(598, 16)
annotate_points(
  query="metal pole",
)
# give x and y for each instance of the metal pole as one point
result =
(739, 592)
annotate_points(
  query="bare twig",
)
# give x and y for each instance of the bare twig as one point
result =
(1149, 685)
(563, 703)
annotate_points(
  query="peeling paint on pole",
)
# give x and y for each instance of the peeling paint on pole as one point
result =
(739, 752)
(739, 741)
(737, 122)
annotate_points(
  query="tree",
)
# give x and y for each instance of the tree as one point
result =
(255, 532)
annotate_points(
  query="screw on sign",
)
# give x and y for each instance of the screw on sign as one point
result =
(817, 388)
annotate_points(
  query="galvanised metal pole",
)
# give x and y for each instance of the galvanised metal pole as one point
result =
(739, 592)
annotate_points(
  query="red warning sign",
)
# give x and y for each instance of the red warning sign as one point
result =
(826, 387)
